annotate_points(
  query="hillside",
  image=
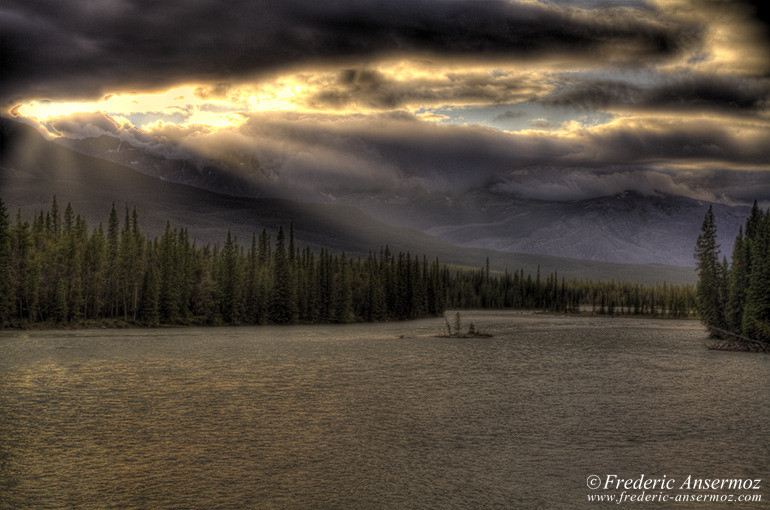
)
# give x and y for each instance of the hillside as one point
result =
(34, 169)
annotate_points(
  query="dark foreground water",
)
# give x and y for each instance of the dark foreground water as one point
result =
(356, 417)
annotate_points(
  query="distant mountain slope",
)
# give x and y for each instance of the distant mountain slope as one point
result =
(34, 169)
(628, 227)
(208, 175)
(623, 228)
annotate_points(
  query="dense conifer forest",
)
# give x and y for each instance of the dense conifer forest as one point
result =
(55, 269)
(733, 299)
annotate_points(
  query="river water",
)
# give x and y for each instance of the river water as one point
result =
(374, 415)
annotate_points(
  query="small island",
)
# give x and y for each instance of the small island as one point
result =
(456, 332)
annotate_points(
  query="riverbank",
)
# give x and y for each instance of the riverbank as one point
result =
(616, 315)
(203, 323)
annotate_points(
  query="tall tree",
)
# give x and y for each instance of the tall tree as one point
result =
(6, 287)
(710, 290)
(229, 281)
(169, 276)
(738, 283)
(149, 310)
(756, 315)
(283, 305)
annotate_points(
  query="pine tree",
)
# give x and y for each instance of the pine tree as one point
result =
(95, 260)
(149, 309)
(738, 283)
(251, 305)
(229, 281)
(61, 308)
(283, 305)
(343, 305)
(756, 315)
(7, 294)
(55, 217)
(711, 285)
(26, 270)
(169, 277)
(111, 281)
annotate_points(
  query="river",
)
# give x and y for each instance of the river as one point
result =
(374, 415)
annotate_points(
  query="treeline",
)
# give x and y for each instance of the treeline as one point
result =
(517, 290)
(734, 298)
(55, 269)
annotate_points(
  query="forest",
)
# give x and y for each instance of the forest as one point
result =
(733, 298)
(56, 270)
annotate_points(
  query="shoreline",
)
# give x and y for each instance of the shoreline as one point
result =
(114, 324)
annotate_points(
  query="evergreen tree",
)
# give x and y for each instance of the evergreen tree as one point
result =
(169, 277)
(7, 294)
(229, 281)
(149, 309)
(55, 224)
(283, 305)
(756, 315)
(95, 260)
(61, 307)
(343, 305)
(738, 282)
(710, 291)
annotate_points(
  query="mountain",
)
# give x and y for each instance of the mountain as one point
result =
(184, 168)
(624, 228)
(627, 227)
(34, 169)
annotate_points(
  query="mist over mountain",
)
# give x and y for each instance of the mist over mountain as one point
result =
(34, 169)
(628, 227)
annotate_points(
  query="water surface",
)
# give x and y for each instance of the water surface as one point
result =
(355, 416)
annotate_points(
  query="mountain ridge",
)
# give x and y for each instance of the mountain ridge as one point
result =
(34, 169)
(626, 227)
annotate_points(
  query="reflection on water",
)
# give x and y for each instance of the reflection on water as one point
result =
(356, 417)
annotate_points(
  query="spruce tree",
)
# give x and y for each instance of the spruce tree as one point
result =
(343, 305)
(61, 308)
(738, 283)
(756, 315)
(149, 311)
(710, 291)
(229, 281)
(283, 305)
(169, 276)
(7, 294)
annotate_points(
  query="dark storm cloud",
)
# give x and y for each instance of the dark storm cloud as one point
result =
(683, 92)
(393, 153)
(371, 88)
(76, 48)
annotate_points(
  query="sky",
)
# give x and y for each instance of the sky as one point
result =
(553, 100)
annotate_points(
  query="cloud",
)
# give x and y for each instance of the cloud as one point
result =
(86, 49)
(678, 92)
(319, 155)
(509, 115)
(575, 184)
(83, 125)
(362, 88)
(360, 95)
(311, 156)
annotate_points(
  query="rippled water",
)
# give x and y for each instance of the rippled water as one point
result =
(356, 417)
